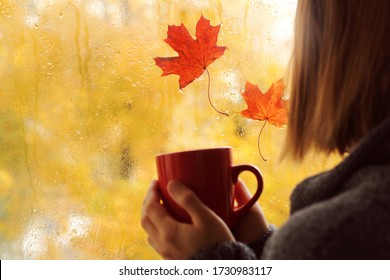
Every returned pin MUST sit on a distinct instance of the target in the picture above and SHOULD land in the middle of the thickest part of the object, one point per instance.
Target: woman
(340, 101)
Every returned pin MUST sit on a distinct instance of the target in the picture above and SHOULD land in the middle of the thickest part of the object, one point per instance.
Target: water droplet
(234, 96)
(240, 131)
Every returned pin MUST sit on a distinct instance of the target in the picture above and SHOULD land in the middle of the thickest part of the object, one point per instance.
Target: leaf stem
(208, 94)
(258, 140)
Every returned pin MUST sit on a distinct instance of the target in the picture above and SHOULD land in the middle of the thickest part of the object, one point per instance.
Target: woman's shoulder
(353, 224)
(368, 164)
(358, 182)
(370, 180)
(366, 193)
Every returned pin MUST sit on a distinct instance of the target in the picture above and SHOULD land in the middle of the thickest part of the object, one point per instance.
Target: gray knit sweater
(343, 213)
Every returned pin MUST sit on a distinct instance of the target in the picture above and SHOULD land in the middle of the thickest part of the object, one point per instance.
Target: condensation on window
(84, 110)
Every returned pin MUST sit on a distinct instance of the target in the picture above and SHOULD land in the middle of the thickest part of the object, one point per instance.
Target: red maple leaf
(265, 106)
(194, 55)
(268, 107)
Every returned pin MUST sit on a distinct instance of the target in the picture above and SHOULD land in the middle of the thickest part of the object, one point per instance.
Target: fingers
(152, 194)
(172, 239)
(241, 193)
(154, 215)
(189, 201)
(149, 202)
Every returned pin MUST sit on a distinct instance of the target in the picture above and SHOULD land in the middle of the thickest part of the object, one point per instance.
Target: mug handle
(240, 211)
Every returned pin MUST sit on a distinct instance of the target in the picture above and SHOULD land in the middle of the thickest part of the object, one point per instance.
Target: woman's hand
(176, 240)
(253, 225)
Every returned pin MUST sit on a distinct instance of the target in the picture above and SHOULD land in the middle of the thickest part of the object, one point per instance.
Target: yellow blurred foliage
(6, 183)
(83, 112)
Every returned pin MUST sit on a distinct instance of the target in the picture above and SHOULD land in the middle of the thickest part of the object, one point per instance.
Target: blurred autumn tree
(83, 112)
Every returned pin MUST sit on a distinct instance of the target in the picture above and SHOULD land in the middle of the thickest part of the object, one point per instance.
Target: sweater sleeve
(226, 251)
(258, 245)
(235, 250)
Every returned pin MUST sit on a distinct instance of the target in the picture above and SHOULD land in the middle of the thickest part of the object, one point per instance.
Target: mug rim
(228, 148)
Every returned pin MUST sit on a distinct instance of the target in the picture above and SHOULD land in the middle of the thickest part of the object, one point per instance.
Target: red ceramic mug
(210, 174)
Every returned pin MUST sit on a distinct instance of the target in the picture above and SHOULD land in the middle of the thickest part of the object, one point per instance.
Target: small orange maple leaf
(193, 55)
(267, 107)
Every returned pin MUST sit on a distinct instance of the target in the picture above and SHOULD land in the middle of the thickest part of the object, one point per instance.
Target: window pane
(84, 111)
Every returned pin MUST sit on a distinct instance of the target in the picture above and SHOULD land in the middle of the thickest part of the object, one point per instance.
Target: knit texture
(343, 213)
(226, 251)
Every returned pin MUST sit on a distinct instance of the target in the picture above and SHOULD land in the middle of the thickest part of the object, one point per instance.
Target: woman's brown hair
(340, 74)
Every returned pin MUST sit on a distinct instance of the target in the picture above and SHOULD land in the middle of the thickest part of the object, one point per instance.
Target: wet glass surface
(84, 111)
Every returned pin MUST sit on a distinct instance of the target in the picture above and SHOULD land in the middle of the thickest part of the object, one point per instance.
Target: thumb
(190, 202)
(241, 193)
